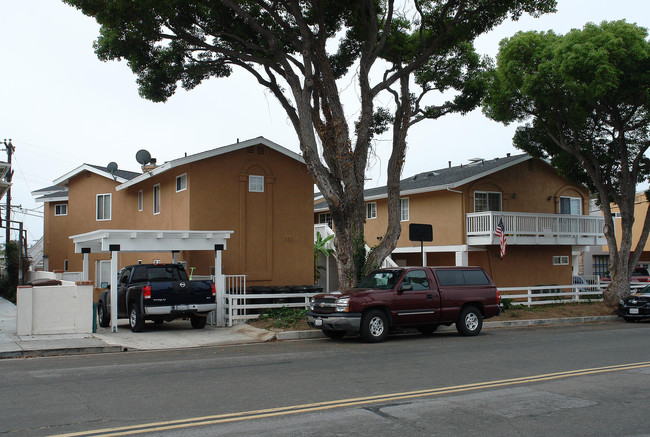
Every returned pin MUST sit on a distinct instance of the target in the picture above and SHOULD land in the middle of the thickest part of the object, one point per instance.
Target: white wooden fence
(550, 294)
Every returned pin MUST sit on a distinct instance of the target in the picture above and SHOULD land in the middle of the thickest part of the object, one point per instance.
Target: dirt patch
(550, 311)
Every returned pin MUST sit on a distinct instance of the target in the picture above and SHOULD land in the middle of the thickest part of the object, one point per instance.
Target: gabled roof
(120, 176)
(444, 178)
(209, 154)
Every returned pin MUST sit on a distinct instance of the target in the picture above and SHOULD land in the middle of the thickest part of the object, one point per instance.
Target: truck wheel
(198, 322)
(374, 326)
(428, 330)
(102, 316)
(136, 320)
(334, 334)
(470, 321)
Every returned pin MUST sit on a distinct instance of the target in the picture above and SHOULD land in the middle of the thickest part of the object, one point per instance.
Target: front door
(420, 304)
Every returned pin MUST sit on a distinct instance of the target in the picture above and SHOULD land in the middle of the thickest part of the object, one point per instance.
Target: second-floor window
(487, 201)
(156, 199)
(61, 209)
(371, 210)
(140, 200)
(325, 218)
(181, 182)
(256, 184)
(103, 207)
(404, 209)
(570, 205)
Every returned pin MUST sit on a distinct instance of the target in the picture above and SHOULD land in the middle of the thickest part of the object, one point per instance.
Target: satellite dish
(112, 167)
(143, 157)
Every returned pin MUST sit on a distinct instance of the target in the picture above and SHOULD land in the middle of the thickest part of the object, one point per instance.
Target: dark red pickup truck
(409, 297)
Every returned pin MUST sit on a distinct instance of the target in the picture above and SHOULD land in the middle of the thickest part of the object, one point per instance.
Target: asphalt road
(571, 380)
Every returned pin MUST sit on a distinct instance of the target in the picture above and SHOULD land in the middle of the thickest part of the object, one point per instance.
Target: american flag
(501, 233)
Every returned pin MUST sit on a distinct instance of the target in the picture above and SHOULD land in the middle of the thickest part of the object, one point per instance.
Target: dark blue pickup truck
(158, 292)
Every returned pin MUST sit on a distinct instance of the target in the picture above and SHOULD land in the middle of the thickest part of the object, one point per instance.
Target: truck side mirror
(406, 286)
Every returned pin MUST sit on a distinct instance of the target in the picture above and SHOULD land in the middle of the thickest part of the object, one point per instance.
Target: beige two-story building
(545, 218)
(257, 189)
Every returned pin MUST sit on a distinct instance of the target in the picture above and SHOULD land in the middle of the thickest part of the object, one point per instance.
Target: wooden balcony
(535, 229)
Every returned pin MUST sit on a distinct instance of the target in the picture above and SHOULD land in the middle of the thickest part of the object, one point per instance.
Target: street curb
(301, 335)
(34, 353)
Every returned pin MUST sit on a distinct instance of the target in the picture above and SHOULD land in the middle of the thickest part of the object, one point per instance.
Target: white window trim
(257, 178)
(110, 203)
(140, 200)
(154, 199)
(571, 199)
(408, 209)
(562, 260)
(370, 216)
(60, 205)
(487, 199)
(182, 178)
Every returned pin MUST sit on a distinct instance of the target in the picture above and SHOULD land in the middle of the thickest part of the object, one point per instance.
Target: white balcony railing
(526, 228)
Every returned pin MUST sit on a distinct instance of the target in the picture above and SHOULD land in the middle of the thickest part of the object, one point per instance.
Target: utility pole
(10, 173)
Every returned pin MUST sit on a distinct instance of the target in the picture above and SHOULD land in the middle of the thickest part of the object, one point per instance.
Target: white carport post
(219, 285)
(85, 252)
(174, 256)
(114, 249)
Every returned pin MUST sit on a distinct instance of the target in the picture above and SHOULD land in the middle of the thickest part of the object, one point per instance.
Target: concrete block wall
(56, 309)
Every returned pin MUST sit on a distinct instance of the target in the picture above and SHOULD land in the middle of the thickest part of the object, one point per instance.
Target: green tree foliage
(320, 248)
(304, 53)
(585, 99)
(9, 281)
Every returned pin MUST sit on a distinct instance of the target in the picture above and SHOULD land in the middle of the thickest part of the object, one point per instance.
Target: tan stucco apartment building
(544, 215)
(256, 188)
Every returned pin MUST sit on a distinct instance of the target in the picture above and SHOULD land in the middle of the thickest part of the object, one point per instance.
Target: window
(571, 205)
(61, 209)
(65, 265)
(560, 260)
(181, 182)
(103, 207)
(256, 184)
(404, 209)
(371, 210)
(418, 279)
(462, 277)
(140, 200)
(156, 199)
(487, 201)
(601, 265)
(325, 218)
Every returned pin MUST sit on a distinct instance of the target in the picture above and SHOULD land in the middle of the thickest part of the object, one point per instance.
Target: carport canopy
(127, 240)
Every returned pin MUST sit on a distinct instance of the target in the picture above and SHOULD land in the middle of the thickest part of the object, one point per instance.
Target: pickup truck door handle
(429, 296)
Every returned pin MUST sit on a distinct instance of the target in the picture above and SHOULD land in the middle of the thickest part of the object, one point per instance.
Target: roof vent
(432, 174)
(508, 155)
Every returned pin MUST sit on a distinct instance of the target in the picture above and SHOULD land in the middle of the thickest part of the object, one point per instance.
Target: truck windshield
(381, 279)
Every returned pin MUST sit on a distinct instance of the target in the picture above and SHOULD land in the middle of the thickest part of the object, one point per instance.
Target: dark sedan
(636, 306)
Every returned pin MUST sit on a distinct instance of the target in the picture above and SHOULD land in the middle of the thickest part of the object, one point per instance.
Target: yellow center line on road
(326, 405)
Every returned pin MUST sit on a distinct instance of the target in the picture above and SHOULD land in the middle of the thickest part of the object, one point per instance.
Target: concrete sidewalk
(175, 335)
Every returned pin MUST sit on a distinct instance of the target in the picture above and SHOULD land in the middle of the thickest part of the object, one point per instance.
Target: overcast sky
(62, 107)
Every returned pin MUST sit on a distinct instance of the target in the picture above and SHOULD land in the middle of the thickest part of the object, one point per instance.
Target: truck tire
(470, 321)
(428, 330)
(198, 322)
(136, 320)
(334, 334)
(102, 316)
(374, 326)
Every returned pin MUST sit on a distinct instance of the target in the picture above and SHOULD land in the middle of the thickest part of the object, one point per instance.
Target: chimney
(449, 164)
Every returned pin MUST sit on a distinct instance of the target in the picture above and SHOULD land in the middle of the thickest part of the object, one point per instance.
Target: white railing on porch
(527, 228)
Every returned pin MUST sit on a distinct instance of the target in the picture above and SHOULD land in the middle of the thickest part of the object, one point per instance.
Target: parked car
(636, 306)
(158, 292)
(640, 274)
(413, 297)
